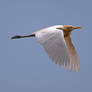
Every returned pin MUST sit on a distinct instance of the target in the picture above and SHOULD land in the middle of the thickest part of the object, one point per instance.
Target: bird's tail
(18, 36)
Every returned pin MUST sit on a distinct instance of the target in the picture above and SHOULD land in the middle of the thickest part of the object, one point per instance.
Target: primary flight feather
(57, 42)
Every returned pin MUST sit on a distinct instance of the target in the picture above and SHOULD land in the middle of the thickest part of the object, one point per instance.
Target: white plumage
(53, 42)
(58, 45)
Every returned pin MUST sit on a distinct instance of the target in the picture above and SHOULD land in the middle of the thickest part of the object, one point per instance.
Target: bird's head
(68, 28)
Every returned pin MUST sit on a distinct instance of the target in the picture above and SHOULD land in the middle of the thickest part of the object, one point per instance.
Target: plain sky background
(24, 65)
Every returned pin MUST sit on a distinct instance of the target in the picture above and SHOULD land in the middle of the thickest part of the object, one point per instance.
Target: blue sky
(24, 65)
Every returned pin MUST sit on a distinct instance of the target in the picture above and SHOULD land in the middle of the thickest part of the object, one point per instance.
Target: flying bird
(57, 43)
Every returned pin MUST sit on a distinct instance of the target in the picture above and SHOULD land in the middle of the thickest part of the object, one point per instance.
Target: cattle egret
(57, 42)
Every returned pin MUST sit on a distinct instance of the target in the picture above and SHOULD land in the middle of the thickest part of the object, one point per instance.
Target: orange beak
(77, 27)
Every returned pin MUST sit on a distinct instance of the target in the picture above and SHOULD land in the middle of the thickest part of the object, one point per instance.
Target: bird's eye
(70, 27)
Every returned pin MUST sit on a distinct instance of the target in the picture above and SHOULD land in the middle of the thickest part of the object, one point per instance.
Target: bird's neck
(66, 34)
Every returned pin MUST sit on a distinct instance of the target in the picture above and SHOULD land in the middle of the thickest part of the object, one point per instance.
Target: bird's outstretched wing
(54, 44)
(74, 62)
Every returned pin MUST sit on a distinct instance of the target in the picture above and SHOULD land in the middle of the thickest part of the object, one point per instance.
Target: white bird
(57, 42)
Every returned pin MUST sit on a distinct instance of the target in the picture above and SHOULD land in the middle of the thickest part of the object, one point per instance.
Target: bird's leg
(18, 36)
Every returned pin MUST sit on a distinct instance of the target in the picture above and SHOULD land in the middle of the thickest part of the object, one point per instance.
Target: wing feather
(54, 44)
(74, 62)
